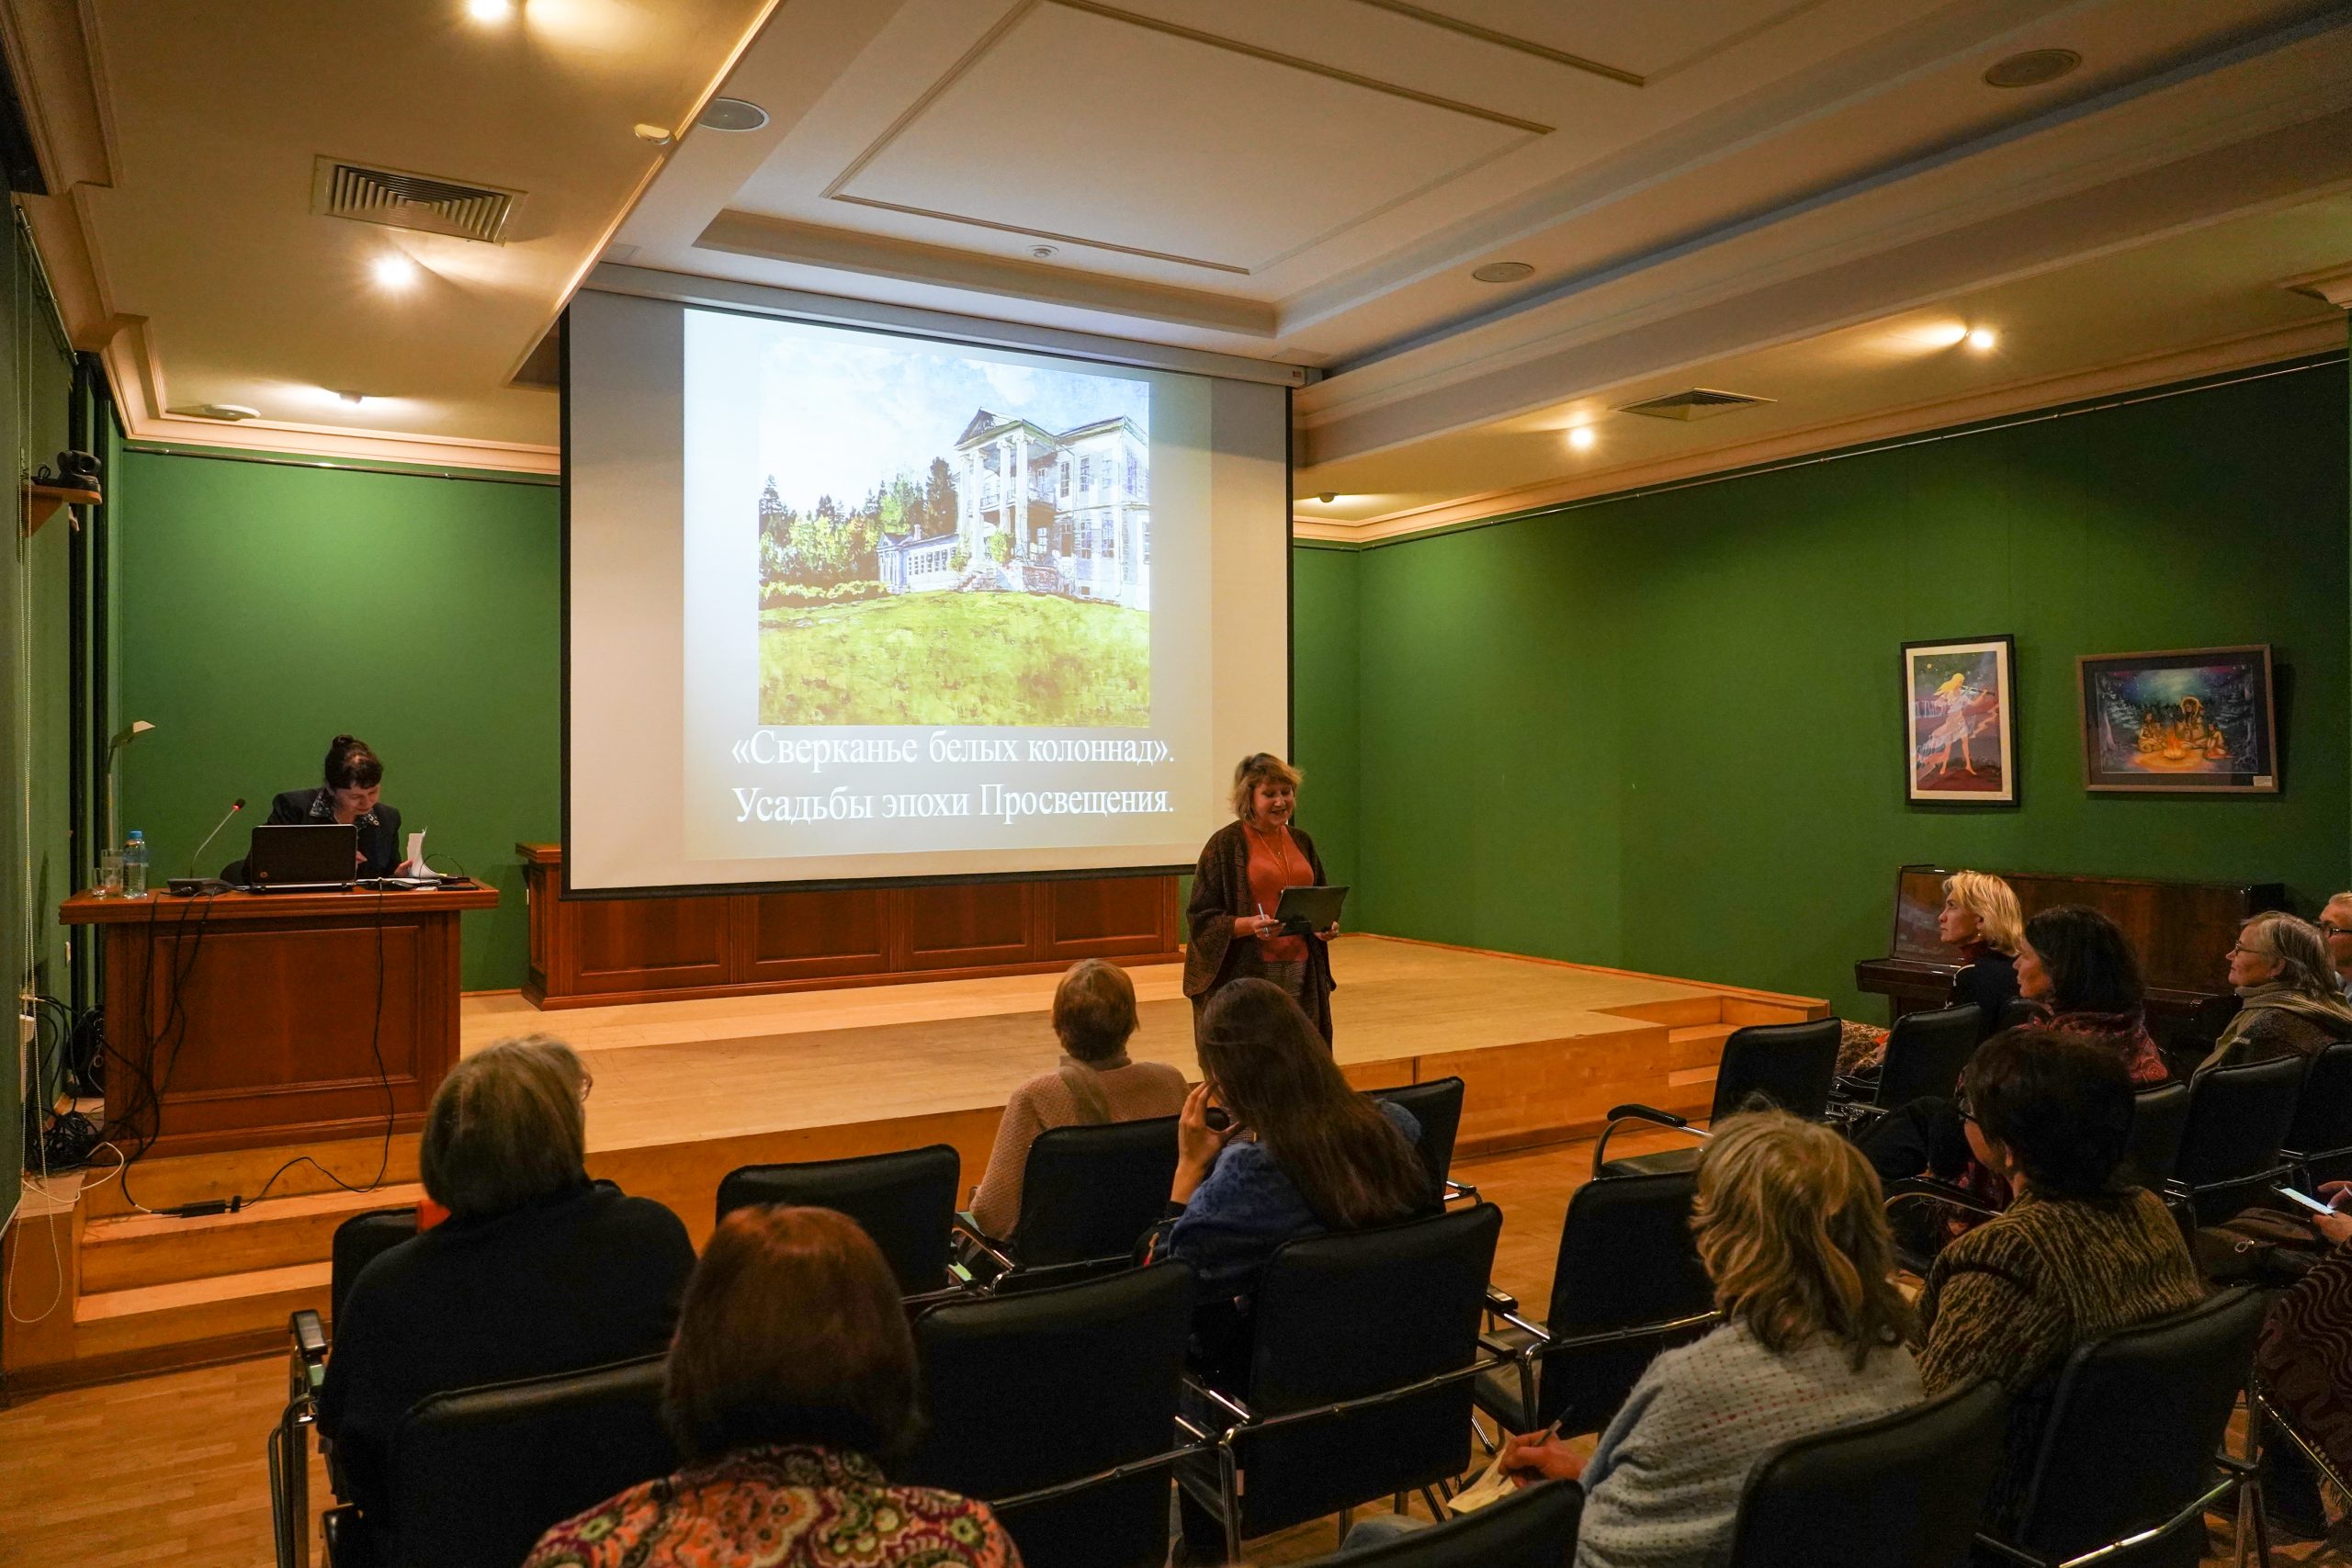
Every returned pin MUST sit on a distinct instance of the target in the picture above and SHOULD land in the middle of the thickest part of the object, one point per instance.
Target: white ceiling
(1760, 193)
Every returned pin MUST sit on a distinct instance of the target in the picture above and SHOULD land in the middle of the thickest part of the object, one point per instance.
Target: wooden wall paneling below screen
(585, 951)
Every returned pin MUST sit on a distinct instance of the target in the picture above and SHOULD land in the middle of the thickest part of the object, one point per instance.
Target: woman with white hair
(2291, 1002)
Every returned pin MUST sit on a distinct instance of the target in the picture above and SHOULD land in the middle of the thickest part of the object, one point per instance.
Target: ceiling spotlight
(1581, 438)
(1327, 497)
(659, 135)
(490, 10)
(2032, 69)
(1983, 338)
(1044, 253)
(1502, 271)
(732, 114)
(353, 397)
(394, 271)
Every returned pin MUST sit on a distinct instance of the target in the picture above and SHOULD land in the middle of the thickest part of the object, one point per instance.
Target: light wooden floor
(169, 1472)
(733, 1066)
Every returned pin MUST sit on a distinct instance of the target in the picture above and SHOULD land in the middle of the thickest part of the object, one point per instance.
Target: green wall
(265, 606)
(1663, 732)
(36, 845)
(1326, 723)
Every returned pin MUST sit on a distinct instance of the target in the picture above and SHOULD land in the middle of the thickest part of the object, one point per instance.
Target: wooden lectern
(240, 1019)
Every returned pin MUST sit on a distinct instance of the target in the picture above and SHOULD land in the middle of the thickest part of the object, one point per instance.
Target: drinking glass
(109, 874)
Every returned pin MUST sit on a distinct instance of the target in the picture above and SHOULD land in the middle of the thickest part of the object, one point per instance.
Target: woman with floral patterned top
(793, 1373)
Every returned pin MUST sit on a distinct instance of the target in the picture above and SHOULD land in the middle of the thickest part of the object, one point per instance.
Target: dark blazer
(582, 1278)
(1220, 896)
(379, 831)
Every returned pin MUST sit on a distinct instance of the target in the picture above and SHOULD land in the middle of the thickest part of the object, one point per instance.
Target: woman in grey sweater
(1791, 1226)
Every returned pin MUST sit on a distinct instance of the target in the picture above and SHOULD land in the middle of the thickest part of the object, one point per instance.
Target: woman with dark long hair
(1301, 1153)
(352, 794)
(2079, 965)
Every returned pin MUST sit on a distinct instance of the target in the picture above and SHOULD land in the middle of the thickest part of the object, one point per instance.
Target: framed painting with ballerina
(1960, 721)
(2200, 721)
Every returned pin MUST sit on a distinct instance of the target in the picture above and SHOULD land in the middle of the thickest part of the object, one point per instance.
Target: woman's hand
(1540, 1456)
(1197, 1144)
(1252, 925)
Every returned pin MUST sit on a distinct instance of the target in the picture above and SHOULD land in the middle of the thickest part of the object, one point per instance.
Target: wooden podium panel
(242, 1020)
(589, 950)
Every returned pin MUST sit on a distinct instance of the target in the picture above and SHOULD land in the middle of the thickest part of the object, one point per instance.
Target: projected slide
(854, 603)
(945, 539)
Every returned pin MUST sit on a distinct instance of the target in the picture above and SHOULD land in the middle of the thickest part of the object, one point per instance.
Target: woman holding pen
(1237, 887)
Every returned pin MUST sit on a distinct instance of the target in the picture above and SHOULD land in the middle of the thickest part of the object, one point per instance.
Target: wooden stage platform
(686, 1091)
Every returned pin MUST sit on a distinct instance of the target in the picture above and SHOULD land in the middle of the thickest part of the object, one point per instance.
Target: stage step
(1696, 1045)
(137, 1250)
(115, 1323)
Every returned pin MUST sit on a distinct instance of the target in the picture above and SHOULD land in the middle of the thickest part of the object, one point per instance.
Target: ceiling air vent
(1699, 402)
(398, 201)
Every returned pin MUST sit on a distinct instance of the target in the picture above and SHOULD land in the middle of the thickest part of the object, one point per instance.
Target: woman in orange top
(1237, 887)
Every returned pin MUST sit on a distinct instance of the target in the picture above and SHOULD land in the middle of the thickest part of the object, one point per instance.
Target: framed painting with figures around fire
(2197, 721)
(1960, 721)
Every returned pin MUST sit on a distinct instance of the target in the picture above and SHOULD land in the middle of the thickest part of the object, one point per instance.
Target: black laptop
(302, 857)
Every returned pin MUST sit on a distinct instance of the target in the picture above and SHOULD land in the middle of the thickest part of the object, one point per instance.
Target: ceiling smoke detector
(732, 114)
(2032, 68)
(400, 200)
(1044, 253)
(1502, 271)
(1698, 402)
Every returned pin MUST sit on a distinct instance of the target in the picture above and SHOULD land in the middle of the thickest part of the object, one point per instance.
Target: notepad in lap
(1491, 1487)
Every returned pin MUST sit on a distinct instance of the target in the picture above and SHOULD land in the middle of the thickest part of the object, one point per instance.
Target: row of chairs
(1069, 1407)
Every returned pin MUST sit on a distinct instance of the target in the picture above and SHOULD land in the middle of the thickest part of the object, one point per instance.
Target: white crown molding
(136, 374)
(2331, 284)
(2219, 357)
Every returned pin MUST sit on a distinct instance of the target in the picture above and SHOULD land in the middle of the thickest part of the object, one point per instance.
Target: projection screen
(845, 604)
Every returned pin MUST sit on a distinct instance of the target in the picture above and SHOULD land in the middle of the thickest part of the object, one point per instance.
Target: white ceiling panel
(1077, 126)
(1648, 41)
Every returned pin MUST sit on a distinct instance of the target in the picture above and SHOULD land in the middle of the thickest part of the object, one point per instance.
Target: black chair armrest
(310, 1337)
(1242, 1414)
(1457, 1192)
(1502, 1303)
(1635, 1112)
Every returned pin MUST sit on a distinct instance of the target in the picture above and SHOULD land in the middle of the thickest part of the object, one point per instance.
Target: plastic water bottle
(134, 865)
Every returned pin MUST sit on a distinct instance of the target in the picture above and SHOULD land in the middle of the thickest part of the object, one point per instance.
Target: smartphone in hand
(2306, 1200)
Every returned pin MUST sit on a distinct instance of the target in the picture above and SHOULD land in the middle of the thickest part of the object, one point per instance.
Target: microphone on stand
(234, 806)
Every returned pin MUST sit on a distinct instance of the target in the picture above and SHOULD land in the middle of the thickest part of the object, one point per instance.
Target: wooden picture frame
(1960, 705)
(2184, 721)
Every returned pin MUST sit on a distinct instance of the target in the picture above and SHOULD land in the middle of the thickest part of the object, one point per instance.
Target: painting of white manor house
(1039, 512)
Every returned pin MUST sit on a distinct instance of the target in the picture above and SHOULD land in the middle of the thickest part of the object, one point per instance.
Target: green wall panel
(1323, 716)
(264, 607)
(1663, 732)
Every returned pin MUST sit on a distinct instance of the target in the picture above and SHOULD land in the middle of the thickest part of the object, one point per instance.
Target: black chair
(905, 1200)
(2238, 1119)
(475, 1477)
(1086, 1194)
(1924, 1051)
(2017, 1013)
(1627, 1284)
(1358, 1384)
(357, 1242)
(2134, 1442)
(1437, 1106)
(1791, 1066)
(1058, 1408)
(2159, 1119)
(1907, 1488)
(2319, 1145)
(1533, 1529)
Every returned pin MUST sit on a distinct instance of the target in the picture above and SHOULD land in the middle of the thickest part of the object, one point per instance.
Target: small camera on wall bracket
(75, 471)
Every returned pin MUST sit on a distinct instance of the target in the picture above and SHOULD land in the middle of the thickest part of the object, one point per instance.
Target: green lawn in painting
(950, 658)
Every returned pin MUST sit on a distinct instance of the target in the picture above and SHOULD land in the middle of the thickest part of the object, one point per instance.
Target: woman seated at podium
(1237, 888)
(353, 794)
(537, 1270)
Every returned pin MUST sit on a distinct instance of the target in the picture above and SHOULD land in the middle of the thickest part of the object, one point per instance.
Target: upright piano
(2182, 931)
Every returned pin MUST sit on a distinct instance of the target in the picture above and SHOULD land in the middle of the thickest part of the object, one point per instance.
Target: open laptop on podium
(302, 857)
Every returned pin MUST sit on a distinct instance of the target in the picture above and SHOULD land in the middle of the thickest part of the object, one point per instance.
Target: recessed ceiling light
(353, 397)
(732, 114)
(1502, 271)
(1044, 253)
(2032, 68)
(1327, 498)
(1941, 334)
(394, 271)
(659, 135)
(490, 10)
(230, 412)
(1983, 338)
(1581, 438)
